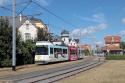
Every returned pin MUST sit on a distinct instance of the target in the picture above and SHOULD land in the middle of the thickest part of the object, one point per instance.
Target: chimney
(20, 17)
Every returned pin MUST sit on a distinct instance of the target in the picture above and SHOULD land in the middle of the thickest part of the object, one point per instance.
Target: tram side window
(64, 51)
(51, 50)
(58, 50)
(55, 50)
(79, 51)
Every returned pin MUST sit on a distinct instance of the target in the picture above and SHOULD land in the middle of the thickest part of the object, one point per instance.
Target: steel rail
(54, 74)
(67, 73)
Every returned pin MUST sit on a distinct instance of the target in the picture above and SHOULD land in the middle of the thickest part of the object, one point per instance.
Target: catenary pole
(14, 37)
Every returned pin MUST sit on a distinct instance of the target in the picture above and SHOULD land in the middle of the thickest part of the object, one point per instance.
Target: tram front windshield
(72, 52)
(42, 50)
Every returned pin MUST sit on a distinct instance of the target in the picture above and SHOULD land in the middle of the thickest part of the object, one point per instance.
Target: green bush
(25, 53)
(115, 57)
(6, 63)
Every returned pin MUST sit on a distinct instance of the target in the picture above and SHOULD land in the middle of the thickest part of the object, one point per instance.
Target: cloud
(99, 18)
(122, 33)
(123, 20)
(81, 32)
(100, 43)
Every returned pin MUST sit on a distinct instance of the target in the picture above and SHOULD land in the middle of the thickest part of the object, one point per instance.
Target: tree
(122, 46)
(5, 43)
(87, 52)
(43, 35)
(26, 53)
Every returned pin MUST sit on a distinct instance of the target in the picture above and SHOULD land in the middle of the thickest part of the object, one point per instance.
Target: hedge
(115, 57)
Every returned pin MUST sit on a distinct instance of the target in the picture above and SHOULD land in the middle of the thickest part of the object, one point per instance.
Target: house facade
(25, 26)
(112, 44)
(28, 31)
(85, 47)
(65, 37)
(39, 24)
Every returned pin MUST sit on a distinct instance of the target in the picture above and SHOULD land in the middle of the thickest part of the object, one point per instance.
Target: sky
(89, 20)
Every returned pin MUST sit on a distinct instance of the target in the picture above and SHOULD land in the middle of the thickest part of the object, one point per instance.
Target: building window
(64, 39)
(27, 26)
(27, 36)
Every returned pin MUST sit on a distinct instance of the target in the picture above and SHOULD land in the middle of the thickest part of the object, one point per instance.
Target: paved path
(35, 67)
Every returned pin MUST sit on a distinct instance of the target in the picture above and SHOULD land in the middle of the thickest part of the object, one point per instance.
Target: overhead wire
(30, 1)
(42, 7)
(10, 10)
(62, 19)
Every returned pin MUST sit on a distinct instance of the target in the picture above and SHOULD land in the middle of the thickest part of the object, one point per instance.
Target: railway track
(53, 75)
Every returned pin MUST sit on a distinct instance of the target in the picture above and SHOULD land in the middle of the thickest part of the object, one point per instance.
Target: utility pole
(14, 37)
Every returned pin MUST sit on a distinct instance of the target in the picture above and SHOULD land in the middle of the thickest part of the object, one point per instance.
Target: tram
(48, 52)
(73, 53)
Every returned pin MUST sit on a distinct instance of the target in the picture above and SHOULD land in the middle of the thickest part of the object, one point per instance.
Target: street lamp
(14, 37)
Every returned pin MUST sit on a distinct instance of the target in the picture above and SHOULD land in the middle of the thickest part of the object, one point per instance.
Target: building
(115, 40)
(27, 27)
(65, 37)
(28, 31)
(85, 47)
(112, 44)
(39, 23)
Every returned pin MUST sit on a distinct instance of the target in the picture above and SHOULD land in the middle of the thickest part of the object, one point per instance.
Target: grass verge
(115, 57)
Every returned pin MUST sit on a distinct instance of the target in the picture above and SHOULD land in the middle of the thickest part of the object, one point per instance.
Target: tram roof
(48, 43)
(43, 43)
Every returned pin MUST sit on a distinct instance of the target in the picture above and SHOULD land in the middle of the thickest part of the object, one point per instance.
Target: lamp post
(14, 37)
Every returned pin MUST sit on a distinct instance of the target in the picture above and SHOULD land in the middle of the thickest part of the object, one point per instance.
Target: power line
(62, 19)
(36, 3)
(19, 3)
(34, 14)
(11, 5)
(10, 10)
(30, 1)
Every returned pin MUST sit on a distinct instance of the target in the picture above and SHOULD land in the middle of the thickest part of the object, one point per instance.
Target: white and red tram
(48, 52)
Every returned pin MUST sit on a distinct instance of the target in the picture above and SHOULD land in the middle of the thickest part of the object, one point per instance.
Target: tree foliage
(25, 54)
(87, 52)
(24, 50)
(43, 35)
(5, 43)
(122, 45)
